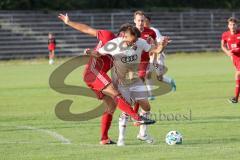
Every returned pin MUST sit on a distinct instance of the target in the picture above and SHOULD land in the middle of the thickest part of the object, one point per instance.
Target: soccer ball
(173, 137)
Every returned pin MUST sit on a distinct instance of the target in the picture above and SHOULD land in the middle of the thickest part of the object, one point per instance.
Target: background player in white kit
(157, 61)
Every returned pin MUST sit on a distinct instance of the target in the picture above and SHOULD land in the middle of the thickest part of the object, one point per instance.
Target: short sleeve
(153, 35)
(105, 36)
(145, 45)
(224, 37)
(159, 35)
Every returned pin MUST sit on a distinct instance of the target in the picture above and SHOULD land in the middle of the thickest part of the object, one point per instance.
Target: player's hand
(166, 40)
(64, 18)
(150, 40)
(86, 51)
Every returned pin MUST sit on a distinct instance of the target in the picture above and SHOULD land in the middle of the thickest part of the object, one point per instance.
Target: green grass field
(204, 83)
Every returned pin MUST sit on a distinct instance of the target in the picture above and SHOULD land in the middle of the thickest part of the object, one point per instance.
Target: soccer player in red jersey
(230, 44)
(150, 36)
(157, 61)
(95, 76)
(51, 47)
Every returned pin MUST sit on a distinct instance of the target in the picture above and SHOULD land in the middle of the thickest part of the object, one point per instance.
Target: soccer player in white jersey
(157, 61)
(126, 52)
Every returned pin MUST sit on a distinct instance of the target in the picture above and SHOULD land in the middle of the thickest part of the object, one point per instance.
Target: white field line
(55, 135)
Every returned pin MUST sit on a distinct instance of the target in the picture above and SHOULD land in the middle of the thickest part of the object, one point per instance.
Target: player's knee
(110, 91)
(144, 105)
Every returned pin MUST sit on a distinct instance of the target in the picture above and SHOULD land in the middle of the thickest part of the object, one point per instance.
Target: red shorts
(236, 61)
(95, 74)
(51, 47)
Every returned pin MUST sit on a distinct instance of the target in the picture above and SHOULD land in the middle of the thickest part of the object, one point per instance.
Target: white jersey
(125, 59)
(160, 59)
(159, 36)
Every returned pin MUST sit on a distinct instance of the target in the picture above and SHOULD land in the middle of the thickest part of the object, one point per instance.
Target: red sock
(136, 107)
(125, 107)
(237, 88)
(105, 125)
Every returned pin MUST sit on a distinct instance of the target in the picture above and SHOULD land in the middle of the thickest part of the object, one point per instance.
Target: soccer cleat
(173, 84)
(107, 142)
(151, 98)
(145, 121)
(233, 100)
(146, 138)
(120, 142)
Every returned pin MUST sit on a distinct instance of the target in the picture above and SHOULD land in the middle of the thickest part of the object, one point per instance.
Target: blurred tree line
(115, 4)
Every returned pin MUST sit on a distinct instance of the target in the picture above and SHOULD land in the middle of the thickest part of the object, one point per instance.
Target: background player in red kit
(51, 47)
(230, 44)
(95, 76)
(157, 61)
(150, 36)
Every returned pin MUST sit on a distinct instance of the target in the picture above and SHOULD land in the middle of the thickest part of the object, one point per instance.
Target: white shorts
(134, 92)
(158, 66)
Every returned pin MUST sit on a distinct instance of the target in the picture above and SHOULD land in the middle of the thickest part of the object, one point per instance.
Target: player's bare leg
(168, 80)
(160, 69)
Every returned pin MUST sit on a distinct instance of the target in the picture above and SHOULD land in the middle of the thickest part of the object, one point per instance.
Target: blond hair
(141, 13)
(232, 19)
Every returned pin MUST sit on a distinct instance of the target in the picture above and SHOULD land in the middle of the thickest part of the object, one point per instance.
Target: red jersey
(51, 44)
(145, 34)
(95, 74)
(104, 36)
(232, 41)
(104, 62)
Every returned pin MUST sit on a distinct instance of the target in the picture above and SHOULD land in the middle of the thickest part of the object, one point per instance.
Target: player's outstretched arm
(78, 26)
(224, 48)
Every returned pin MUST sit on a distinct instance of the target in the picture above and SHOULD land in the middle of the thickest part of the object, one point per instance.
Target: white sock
(143, 128)
(123, 119)
(149, 86)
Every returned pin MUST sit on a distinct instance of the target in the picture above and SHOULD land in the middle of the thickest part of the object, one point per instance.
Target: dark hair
(148, 17)
(133, 31)
(127, 27)
(123, 28)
